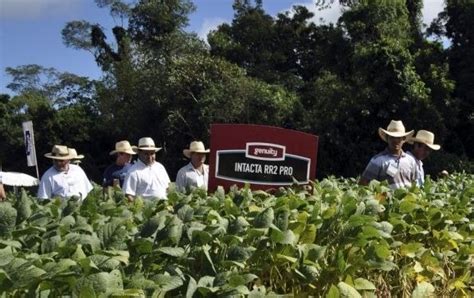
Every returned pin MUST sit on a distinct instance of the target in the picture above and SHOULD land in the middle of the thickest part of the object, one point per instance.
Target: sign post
(263, 156)
(30, 145)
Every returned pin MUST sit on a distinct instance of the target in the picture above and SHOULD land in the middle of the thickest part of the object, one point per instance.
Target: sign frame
(258, 155)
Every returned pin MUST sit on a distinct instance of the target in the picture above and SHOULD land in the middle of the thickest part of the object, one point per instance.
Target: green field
(336, 239)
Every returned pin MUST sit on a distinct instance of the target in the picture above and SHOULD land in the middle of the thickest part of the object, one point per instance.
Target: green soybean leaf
(192, 287)
(347, 291)
(172, 251)
(363, 284)
(333, 292)
(422, 290)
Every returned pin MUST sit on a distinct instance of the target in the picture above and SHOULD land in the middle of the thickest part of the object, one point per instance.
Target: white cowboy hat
(395, 129)
(195, 146)
(123, 147)
(425, 137)
(73, 154)
(146, 144)
(59, 152)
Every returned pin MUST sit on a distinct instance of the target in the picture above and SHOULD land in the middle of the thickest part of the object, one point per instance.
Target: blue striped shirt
(403, 169)
(420, 172)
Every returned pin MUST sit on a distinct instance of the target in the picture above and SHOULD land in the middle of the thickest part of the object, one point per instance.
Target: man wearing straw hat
(423, 144)
(195, 173)
(147, 177)
(75, 158)
(115, 173)
(392, 164)
(63, 179)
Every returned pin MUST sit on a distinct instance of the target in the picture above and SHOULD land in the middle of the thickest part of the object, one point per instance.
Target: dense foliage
(339, 81)
(333, 239)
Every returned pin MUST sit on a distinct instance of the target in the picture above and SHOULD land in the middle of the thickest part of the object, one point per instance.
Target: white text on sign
(243, 167)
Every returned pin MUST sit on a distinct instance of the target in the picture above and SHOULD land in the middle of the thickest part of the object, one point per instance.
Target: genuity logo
(265, 151)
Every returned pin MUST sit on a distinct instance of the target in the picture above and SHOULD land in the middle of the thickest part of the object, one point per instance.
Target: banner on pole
(29, 143)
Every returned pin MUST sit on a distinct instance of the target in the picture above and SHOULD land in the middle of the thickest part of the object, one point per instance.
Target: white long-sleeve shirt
(73, 182)
(189, 177)
(148, 181)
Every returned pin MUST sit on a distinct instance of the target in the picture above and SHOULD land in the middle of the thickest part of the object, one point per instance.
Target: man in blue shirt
(115, 174)
(393, 164)
(423, 144)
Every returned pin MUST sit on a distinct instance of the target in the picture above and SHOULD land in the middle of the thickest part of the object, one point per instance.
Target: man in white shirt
(75, 158)
(147, 177)
(423, 144)
(196, 173)
(63, 179)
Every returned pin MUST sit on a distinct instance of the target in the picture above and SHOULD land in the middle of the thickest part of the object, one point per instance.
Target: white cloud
(36, 9)
(431, 8)
(321, 16)
(208, 25)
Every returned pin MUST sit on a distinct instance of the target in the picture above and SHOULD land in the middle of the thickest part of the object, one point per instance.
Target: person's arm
(363, 181)
(104, 179)
(3, 195)
(87, 184)
(181, 181)
(416, 176)
(370, 173)
(44, 189)
(129, 187)
(167, 180)
(206, 176)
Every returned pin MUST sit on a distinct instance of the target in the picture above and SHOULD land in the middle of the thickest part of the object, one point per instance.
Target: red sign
(263, 156)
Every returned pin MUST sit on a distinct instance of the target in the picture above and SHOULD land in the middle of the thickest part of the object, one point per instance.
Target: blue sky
(30, 30)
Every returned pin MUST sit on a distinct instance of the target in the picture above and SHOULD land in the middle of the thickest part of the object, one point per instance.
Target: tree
(159, 81)
(250, 41)
(340, 81)
(455, 23)
(387, 84)
(351, 78)
(62, 107)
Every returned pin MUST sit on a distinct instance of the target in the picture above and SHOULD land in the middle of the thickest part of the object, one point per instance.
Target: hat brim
(128, 151)
(432, 146)
(80, 156)
(384, 133)
(156, 149)
(187, 152)
(51, 156)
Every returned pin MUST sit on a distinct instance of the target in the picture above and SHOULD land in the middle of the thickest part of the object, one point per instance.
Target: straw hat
(73, 154)
(395, 129)
(425, 137)
(147, 144)
(195, 146)
(59, 152)
(123, 147)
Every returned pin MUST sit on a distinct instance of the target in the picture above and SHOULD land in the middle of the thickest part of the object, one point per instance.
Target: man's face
(421, 151)
(395, 143)
(197, 159)
(146, 156)
(123, 158)
(61, 165)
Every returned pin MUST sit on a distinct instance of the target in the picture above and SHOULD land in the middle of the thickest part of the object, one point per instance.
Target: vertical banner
(263, 156)
(29, 143)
